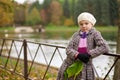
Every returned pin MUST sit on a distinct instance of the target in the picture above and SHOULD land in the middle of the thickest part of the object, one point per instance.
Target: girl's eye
(86, 23)
(81, 24)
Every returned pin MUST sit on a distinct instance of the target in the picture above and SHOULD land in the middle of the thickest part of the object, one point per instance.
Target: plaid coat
(96, 45)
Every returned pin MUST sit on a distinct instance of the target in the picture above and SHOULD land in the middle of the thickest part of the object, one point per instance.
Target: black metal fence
(35, 61)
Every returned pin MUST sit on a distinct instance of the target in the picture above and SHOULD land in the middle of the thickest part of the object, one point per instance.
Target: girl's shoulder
(77, 33)
(94, 31)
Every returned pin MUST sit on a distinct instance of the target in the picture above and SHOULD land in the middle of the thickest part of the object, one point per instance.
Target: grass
(60, 28)
(5, 29)
(107, 28)
(108, 32)
(37, 71)
(75, 28)
(64, 32)
(65, 28)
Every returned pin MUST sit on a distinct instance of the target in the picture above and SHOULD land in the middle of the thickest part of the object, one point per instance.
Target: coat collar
(88, 33)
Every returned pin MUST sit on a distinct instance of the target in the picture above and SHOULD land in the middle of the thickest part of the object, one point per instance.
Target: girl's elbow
(106, 49)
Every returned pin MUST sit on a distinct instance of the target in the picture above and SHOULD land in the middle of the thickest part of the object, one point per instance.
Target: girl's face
(85, 25)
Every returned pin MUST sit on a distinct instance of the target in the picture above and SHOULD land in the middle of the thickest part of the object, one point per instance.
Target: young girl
(85, 44)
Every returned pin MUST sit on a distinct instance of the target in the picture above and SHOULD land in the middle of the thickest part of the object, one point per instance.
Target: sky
(22, 1)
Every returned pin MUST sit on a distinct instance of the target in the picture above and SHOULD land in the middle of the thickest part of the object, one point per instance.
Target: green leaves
(73, 70)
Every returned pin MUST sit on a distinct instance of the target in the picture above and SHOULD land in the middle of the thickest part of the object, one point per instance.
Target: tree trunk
(117, 67)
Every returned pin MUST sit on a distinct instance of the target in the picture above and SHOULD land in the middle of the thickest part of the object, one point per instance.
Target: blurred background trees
(6, 13)
(57, 12)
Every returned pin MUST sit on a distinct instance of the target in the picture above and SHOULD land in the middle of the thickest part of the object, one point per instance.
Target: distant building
(25, 29)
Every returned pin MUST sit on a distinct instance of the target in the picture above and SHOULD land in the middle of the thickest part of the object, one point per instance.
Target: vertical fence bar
(2, 46)
(25, 60)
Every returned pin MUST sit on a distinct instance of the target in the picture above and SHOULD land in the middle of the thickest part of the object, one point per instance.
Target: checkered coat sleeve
(96, 46)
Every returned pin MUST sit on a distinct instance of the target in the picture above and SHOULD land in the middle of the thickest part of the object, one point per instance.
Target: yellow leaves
(68, 22)
(52, 79)
(6, 18)
(6, 15)
(7, 5)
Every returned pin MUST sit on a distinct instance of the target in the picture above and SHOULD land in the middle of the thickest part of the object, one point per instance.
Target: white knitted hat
(87, 16)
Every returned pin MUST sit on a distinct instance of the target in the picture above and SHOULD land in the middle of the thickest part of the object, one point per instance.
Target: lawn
(64, 32)
(75, 28)
(108, 32)
(65, 28)
(7, 29)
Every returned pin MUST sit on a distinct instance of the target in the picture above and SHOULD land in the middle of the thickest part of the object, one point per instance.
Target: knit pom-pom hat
(87, 16)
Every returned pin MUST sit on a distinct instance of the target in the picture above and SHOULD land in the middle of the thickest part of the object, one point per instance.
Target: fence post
(25, 60)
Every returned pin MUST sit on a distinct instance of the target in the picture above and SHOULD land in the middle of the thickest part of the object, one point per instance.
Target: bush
(68, 22)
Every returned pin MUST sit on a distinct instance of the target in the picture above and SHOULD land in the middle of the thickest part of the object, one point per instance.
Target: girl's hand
(84, 57)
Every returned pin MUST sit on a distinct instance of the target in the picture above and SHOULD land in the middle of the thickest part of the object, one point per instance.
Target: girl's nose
(83, 25)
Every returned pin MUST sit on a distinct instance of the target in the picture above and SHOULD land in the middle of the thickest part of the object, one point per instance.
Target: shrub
(68, 22)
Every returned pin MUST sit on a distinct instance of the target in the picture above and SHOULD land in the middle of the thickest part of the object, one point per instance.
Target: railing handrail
(111, 54)
(47, 44)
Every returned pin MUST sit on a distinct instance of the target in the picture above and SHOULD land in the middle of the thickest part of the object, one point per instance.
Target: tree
(56, 12)
(72, 8)
(44, 16)
(45, 12)
(105, 16)
(46, 4)
(36, 5)
(6, 13)
(84, 5)
(117, 66)
(113, 8)
(19, 14)
(66, 9)
(98, 11)
(33, 17)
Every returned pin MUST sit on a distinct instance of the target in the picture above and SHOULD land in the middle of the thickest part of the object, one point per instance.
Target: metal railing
(34, 61)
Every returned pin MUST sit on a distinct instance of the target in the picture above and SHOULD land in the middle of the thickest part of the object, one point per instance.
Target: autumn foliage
(6, 13)
(56, 12)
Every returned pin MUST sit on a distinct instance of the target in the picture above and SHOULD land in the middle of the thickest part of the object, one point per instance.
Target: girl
(85, 44)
